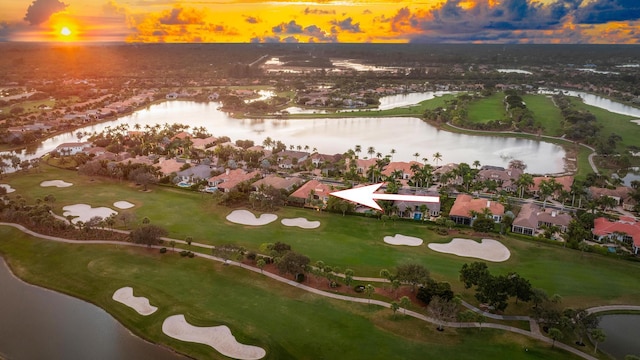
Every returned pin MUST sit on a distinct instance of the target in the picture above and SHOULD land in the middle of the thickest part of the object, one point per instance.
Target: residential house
(195, 173)
(312, 191)
(172, 96)
(168, 166)
(565, 181)
(404, 169)
(626, 230)
(228, 180)
(412, 209)
(464, 206)
(278, 182)
(531, 218)
(506, 178)
(318, 159)
(202, 144)
(621, 194)
(363, 165)
(289, 159)
(72, 148)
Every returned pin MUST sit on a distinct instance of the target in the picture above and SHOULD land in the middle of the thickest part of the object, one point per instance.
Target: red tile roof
(320, 189)
(627, 225)
(465, 203)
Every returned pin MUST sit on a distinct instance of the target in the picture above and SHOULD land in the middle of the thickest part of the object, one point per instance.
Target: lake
(37, 323)
(406, 135)
(622, 331)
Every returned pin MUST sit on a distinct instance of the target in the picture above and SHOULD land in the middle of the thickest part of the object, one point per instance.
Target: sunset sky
(399, 21)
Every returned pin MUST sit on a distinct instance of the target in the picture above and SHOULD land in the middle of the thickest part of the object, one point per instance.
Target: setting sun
(65, 31)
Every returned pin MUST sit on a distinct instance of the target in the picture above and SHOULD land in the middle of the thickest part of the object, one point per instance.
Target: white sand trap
(218, 337)
(138, 303)
(123, 205)
(8, 187)
(487, 249)
(398, 239)
(56, 183)
(245, 217)
(85, 212)
(301, 223)
(636, 121)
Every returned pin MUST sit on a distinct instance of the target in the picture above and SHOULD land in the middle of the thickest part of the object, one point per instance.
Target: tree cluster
(495, 290)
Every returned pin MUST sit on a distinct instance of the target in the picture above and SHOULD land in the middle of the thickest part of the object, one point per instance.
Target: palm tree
(371, 150)
(358, 150)
(524, 182)
(392, 152)
(416, 155)
(476, 163)
(598, 336)
(437, 157)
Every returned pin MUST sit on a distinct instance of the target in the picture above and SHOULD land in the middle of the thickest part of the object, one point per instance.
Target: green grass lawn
(416, 110)
(545, 112)
(345, 241)
(289, 323)
(613, 123)
(487, 109)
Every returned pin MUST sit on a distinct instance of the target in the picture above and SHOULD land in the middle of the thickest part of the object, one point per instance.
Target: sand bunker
(636, 121)
(218, 337)
(56, 183)
(138, 303)
(245, 217)
(85, 212)
(123, 205)
(301, 223)
(490, 250)
(398, 239)
(8, 187)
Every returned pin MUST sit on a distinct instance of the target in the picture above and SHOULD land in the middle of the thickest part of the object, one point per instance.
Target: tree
(556, 334)
(148, 234)
(598, 336)
(188, 240)
(437, 157)
(348, 276)
(293, 263)
(483, 224)
(519, 287)
(474, 274)
(432, 289)
(412, 274)
(369, 290)
(405, 302)
(261, 264)
(394, 307)
(442, 310)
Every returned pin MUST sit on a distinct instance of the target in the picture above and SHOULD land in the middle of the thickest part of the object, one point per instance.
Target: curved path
(533, 333)
(590, 158)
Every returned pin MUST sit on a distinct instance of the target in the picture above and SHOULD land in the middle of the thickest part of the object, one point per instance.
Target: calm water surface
(37, 323)
(623, 332)
(406, 135)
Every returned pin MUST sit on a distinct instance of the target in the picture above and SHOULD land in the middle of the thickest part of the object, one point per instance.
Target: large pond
(406, 135)
(36, 323)
(623, 332)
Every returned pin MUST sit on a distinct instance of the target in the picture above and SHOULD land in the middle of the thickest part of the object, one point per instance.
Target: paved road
(533, 333)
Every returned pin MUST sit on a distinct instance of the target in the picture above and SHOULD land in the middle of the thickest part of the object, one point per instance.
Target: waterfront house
(625, 230)
(462, 211)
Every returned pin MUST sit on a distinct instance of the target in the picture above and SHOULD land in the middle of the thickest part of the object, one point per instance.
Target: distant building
(532, 217)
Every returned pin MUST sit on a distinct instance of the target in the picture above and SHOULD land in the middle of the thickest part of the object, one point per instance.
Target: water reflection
(36, 323)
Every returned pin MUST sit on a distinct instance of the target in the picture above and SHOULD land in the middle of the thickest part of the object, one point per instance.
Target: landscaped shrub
(163, 250)
(191, 254)
(184, 253)
(251, 255)
(300, 277)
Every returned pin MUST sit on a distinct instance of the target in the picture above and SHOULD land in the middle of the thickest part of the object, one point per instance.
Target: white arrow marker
(366, 196)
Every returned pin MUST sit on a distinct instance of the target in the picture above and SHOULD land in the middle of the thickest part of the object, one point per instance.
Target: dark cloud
(41, 10)
(483, 21)
(318, 34)
(367, 12)
(290, 40)
(603, 11)
(252, 19)
(4, 30)
(287, 28)
(309, 11)
(181, 16)
(347, 25)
